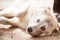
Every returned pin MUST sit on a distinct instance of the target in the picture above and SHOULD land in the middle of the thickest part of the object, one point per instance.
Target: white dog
(36, 15)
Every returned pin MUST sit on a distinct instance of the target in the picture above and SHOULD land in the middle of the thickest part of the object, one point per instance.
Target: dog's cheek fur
(53, 21)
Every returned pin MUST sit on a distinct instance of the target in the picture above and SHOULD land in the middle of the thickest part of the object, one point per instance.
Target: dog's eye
(43, 28)
(38, 20)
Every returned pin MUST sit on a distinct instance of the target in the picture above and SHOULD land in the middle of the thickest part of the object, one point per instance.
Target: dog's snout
(43, 28)
(29, 29)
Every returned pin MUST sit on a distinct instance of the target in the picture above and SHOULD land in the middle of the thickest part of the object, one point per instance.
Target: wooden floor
(18, 34)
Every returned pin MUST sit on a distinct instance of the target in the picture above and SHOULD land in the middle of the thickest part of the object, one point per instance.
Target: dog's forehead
(36, 17)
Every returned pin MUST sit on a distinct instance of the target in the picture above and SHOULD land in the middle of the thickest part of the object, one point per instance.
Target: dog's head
(40, 24)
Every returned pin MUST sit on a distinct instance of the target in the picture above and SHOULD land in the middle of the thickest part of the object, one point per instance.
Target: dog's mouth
(39, 32)
(40, 29)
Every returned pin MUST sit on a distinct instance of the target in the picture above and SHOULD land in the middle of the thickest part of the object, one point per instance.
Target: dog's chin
(39, 35)
(35, 35)
(43, 34)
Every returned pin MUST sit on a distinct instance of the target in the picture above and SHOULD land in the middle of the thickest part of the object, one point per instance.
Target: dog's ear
(47, 11)
(52, 18)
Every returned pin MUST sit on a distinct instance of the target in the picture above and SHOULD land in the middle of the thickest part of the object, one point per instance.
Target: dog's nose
(29, 29)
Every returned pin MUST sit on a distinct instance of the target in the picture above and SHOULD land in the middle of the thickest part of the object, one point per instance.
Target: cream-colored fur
(26, 13)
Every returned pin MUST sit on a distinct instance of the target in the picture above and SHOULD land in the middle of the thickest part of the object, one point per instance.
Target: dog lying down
(34, 16)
